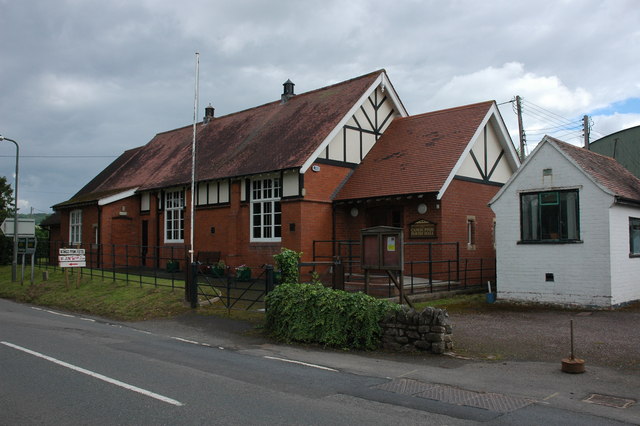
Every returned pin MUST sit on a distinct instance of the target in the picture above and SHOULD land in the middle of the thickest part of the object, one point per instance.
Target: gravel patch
(604, 338)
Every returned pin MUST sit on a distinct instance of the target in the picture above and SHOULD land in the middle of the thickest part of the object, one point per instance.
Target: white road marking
(97, 375)
(53, 312)
(63, 315)
(321, 367)
(193, 342)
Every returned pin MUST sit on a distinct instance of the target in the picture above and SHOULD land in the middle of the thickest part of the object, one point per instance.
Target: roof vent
(288, 91)
(208, 114)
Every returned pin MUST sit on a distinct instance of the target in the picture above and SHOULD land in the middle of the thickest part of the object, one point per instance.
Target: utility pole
(521, 134)
(585, 130)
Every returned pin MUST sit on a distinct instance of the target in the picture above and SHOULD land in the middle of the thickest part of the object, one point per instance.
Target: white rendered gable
(361, 127)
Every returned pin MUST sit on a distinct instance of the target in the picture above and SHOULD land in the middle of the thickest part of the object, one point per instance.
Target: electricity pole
(585, 130)
(520, 129)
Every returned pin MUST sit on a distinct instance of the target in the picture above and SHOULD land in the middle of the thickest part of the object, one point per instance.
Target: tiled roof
(415, 154)
(51, 220)
(275, 136)
(604, 170)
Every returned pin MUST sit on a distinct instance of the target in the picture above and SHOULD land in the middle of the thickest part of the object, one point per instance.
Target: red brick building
(291, 172)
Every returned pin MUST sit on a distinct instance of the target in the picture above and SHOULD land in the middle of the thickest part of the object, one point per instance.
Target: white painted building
(568, 229)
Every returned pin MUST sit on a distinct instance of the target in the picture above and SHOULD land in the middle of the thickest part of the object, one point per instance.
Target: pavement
(512, 359)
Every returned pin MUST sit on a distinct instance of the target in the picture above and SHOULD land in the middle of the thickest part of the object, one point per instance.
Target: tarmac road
(516, 353)
(219, 367)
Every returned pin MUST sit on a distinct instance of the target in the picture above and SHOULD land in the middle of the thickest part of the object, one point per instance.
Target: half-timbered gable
(486, 161)
(364, 127)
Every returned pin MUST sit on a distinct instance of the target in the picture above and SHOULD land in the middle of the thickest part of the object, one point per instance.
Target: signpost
(26, 227)
(71, 258)
(26, 241)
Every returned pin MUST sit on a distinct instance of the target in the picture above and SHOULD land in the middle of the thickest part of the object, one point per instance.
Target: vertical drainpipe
(333, 229)
(99, 240)
(158, 195)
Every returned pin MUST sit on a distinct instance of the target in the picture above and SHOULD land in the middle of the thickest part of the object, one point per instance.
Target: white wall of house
(581, 271)
(625, 270)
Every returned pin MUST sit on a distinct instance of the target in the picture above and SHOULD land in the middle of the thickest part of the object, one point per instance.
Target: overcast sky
(82, 81)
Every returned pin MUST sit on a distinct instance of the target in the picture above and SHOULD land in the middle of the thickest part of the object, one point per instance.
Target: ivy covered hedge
(315, 314)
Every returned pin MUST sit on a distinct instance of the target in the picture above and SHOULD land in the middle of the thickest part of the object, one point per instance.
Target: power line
(551, 114)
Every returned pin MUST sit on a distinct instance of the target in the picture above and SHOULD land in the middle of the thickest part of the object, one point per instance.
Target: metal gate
(230, 290)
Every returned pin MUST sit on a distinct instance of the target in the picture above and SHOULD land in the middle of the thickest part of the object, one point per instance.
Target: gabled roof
(419, 154)
(275, 136)
(603, 171)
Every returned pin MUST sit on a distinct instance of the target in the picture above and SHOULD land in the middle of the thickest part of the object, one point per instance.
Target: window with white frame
(174, 216)
(265, 209)
(634, 237)
(471, 232)
(75, 227)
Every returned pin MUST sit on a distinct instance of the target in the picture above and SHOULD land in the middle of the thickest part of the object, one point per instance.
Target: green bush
(287, 261)
(316, 314)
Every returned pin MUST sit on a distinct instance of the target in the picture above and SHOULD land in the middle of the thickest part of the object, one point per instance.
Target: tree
(6, 210)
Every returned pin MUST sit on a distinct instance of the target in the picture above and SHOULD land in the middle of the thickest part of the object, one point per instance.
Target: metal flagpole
(193, 157)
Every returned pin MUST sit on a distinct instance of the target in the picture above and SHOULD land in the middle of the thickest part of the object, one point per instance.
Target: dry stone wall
(409, 330)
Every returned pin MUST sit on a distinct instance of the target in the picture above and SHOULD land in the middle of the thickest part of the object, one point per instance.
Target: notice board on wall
(382, 248)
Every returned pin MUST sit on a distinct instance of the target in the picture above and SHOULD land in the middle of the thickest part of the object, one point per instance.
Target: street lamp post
(14, 263)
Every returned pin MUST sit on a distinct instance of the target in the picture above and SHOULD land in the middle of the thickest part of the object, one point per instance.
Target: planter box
(173, 266)
(218, 272)
(243, 275)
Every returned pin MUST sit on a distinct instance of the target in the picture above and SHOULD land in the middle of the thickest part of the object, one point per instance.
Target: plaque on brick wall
(422, 229)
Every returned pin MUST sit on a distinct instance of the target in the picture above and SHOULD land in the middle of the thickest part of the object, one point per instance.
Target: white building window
(634, 237)
(75, 227)
(174, 216)
(471, 232)
(265, 209)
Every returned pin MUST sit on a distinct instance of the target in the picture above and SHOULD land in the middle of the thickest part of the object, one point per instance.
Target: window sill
(265, 242)
(634, 255)
(551, 242)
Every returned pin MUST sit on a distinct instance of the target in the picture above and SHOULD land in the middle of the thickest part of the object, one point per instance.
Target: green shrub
(316, 314)
(287, 261)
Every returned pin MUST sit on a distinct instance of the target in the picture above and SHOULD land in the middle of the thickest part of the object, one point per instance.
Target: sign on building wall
(422, 229)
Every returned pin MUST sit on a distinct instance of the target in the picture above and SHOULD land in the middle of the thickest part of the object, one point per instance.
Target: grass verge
(107, 298)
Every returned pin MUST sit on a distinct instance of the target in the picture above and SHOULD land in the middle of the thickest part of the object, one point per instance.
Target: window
(75, 227)
(634, 236)
(550, 216)
(145, 201)
(174, 216)
(471, 232)
(265, 209)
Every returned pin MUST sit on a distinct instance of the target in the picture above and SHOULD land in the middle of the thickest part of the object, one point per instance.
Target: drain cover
(453, 395)
(609, 401)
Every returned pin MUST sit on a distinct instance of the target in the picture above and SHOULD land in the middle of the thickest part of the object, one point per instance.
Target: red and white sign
(72, 258)
(70, 251)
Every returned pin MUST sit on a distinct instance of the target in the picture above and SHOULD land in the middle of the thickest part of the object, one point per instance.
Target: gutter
(626, 201)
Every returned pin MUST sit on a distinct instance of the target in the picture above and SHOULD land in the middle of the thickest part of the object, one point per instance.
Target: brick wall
(462, 200)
